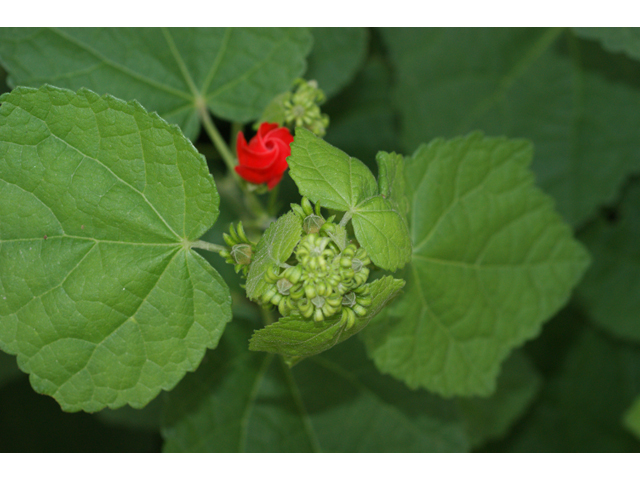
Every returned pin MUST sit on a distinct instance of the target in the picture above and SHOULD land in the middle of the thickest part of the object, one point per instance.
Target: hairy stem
(235, 128)
(218, 141)
(345, 219)
(210, 247)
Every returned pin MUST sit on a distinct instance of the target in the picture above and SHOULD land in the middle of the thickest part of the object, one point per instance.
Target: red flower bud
(264, 158)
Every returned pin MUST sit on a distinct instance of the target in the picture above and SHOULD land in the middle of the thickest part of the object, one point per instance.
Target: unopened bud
(313, 223)
(242, 253)
(284, 286)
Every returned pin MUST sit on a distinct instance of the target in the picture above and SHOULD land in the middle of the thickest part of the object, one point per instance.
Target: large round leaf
(101, 296)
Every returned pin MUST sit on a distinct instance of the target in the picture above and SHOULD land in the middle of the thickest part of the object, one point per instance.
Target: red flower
(264, 159)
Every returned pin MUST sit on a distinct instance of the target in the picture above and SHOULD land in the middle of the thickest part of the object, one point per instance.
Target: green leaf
(337, 55)
(540, 84)
(609, 292)
(274, 249)
(391, 181)
(299, 337)
(101, 297)
(382, 231)
(618, 39)
(235, 71)
(491, 418)
(632, 418)
(329, 176)
(491, 262)
(580, 410)
(240, 401)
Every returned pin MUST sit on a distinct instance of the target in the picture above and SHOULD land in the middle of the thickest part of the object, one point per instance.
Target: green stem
(345, 219)
(218, 141)
(235, 128)
(210, 247)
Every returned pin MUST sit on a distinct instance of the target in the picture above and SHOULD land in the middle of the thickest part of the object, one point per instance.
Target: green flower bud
(310, 291)
(296, 292)
(306, 307)
(276, 298)
(269, 294)
(312, 263)
(323, 289)
(318, 301)
(298, 210)
(356, 264)
(241, 235)
(347, 274)
(306, 206)
(349, 299)
(293, 274)
(362, 255)
(364, 301)
(350, 250)
(234, 234)
(341, 288)
(348, 317)
(242, 253)
(318, 316)
(346, 262)
(284, 286)
(359, 310)
(271, 275)
(335, 300)
(328, 227)
(228, 239)
(328, 310)
(285, 306)
(313, 223)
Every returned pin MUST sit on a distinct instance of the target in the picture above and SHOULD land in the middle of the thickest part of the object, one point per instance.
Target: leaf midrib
(117, 327)
(119, 67)
(117, 177)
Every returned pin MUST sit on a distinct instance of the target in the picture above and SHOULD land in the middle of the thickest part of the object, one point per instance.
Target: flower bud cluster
(323, 281)
(241, 249)
(302, 108)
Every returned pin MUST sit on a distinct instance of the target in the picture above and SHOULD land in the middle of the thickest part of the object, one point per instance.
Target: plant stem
(218, 141)
(210, 247)
(235, 128)
(345, 219)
